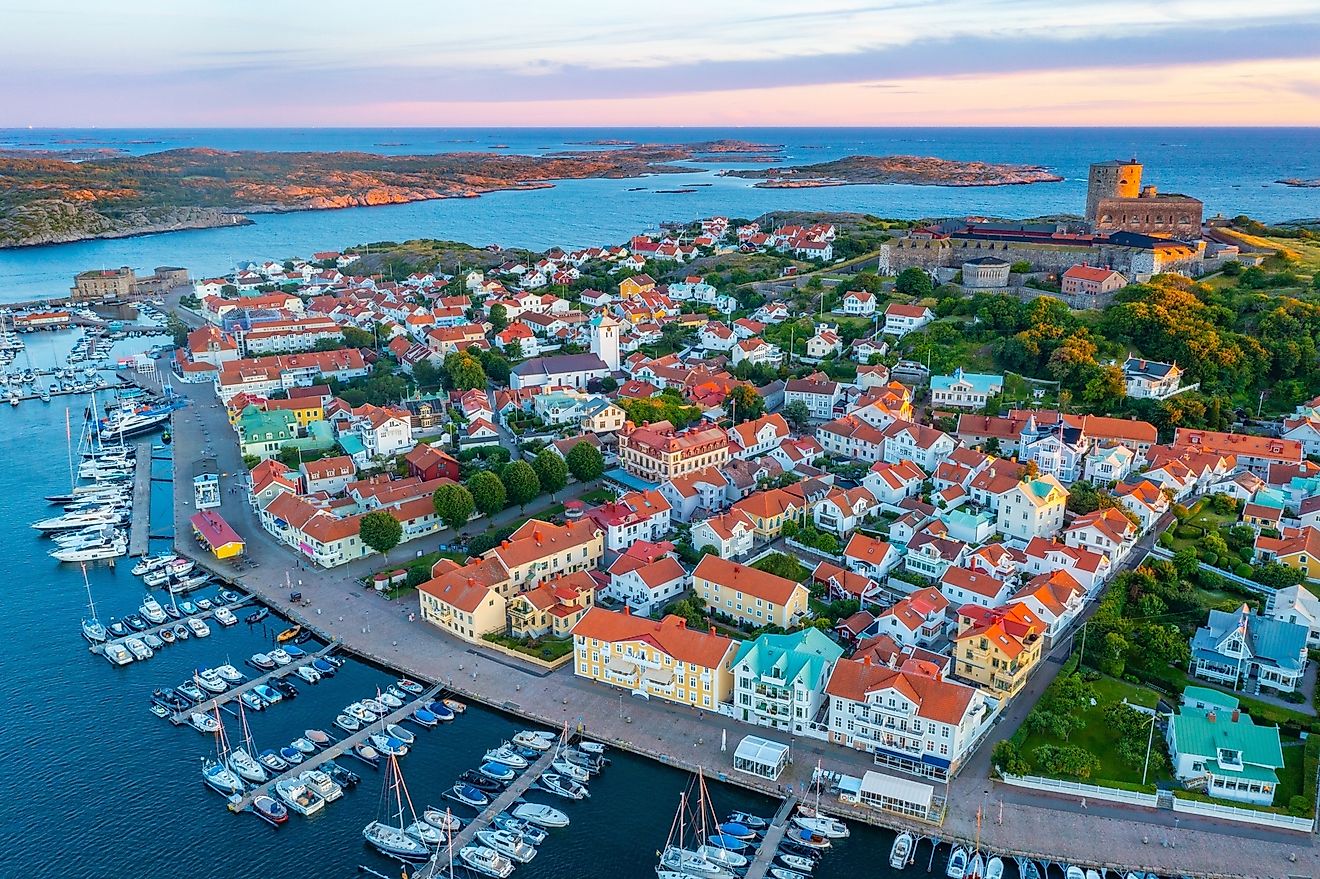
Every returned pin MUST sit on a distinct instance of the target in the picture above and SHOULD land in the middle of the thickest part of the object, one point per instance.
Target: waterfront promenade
(364, 623)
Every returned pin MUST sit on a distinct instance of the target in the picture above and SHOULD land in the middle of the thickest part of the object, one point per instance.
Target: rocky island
(1313, 183)
(913, 170)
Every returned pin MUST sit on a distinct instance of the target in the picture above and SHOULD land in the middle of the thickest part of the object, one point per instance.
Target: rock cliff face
(52, 221)
(914, 170)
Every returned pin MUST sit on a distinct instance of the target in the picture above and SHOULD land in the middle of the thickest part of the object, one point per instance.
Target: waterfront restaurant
(216, 534)
(900, 795)
(761, 757)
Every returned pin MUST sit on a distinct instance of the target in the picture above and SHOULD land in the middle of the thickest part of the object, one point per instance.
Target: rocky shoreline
(910, 170)
(38, 224)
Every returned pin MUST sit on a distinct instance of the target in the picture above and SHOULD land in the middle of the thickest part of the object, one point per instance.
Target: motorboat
(190, 691)
(789, 847)
(469, 795)
(167, 635)
(454, 705)
(151, 563)
(189, 608)
(199, 628)
(279, 657)
(139, 648)
(900, 853)
(284, 687)
(785, 873)
(172, 611)
(345, 778)
(1027, 869)
(288, 634)
(692, 863)
(117, 628)
(221, 779)
(535, 739)
(796, 862)
(737, 831)
(518, 827)
(390, 701)
(307, 673)
(152, 611)
(400, 733)
(298, 797)
(203, 723)
(976, 869)
(374, 707)
(272, 761)
(190, 583)
(291, 755)
(723, 856)
(394, 843)
(326, 669)
(388, 745)
(497, 772)
(116, 653)
(481, 782)
(595, 748)
(261, 661)
(563, 787)
(348, 723)
(268, 694)
(410, 686)
(210, 681)
(569, 770)
(506, 755)
(270, 809)
(446, 820)
(160, 711)
(808, 838)
(181, 632)
(253, 701)
(246, 766)
(425, 833)
(1092, 874)
(366, 754)
(152, 641)
(424, 718)
(304, 745)
(957, 867)
(1074, 872)
(205, 604)
(507, 844)
(357, 710)
(541, 815)
(485, 861)
(317, 737)
(135, 622)
(294, 652)
(728, 843)
(257, 616)
(229, 596)
(994, 868)
(225, 617)
(321, 784)
(822, 825)
(441, 710)
(229, 674)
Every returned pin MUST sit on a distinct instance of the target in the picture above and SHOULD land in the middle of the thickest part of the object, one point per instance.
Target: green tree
(797, 415)
(487, 492)
(464, 371)
(251, 461)
(1106, 389)
(585, 462)
(453, 504)
(426, 375)
(1009, 759)
(380, 531)
(521, 483)
(914, 282)
(746, 403)
(499, 317)
(177, 329)
(1185, 561)
(355, 337)
(514, 350)
(551, 471)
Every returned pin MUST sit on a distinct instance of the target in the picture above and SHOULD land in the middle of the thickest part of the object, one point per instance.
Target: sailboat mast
(91, 605)
(68, 444)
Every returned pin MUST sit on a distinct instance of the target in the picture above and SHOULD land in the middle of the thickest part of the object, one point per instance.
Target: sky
(143, 63)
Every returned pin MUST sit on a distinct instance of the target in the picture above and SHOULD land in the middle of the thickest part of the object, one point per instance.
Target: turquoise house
(779, 680)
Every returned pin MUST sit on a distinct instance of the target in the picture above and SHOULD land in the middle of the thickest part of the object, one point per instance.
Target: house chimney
(866, 660)
(1211, 716)
(681, 622)
(712, 630)
(1236, 715)
(627, 611)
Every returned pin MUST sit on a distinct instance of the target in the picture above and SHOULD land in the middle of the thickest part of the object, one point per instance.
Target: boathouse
(213, 532)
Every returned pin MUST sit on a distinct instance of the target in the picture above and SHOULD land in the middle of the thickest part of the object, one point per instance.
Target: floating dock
(774, 834)
(337, 749)
(220, 699)
(156, 630)
(139, 526)
(468, 834)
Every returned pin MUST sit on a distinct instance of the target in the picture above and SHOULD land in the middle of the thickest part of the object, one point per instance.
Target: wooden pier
(336, 749)
(139, 527)
(171, 623)
(468, 834)
(220, 699)
(774, 834)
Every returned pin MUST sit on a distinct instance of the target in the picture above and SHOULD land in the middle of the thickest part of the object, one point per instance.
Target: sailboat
(390, 839)
(811, 818)
(692, 862)
(243, 759)
(92, 628)
(216, 773)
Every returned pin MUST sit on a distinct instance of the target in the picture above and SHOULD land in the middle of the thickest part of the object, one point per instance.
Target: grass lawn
(599, 496)
(1291, 775)
(1205, 519)
(547, 649)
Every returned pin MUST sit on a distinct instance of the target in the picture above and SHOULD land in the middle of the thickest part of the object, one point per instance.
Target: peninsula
(913, 170)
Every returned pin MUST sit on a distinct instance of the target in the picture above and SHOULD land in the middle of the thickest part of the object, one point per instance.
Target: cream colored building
(747, 595)
(659, 452)
(465, 601)
(1033, 508)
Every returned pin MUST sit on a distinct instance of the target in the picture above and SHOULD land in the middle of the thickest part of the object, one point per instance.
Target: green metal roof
(788, 657)
(1195, 733)
(1206, 696)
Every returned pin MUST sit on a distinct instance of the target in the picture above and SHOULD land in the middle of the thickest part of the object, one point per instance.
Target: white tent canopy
(758, 756)
(896, 794)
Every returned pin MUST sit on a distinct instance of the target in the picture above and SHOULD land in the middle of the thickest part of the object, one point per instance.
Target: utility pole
(1149, 742)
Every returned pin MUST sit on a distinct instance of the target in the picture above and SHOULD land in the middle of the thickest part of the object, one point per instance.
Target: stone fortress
(1117, 202)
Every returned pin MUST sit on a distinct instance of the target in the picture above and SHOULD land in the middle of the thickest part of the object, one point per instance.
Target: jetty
(139, 526)
(774, 834)
(468, 834)
(336, 749)
(170, 624)
(221, 699)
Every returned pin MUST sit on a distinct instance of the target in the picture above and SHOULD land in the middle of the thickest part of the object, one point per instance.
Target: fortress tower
(1115, 179)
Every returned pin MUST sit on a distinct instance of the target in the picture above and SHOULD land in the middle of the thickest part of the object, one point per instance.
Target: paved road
(373, 627)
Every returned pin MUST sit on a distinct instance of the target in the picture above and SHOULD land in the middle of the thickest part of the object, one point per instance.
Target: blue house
(1248, 651)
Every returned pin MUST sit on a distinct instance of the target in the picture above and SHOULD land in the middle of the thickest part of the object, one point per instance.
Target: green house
(779, 680)
(1216, 748)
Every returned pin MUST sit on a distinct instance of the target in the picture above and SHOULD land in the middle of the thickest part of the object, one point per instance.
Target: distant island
(913, 170)
(1297, 181)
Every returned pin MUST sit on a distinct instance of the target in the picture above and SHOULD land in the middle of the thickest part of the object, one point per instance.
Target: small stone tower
(1116, 179)
(605, 339)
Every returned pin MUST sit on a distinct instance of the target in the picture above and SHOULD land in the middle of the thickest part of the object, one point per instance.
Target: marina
(234, 693)
(774, 835)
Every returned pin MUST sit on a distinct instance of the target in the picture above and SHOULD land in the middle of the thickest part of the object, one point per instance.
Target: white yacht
(504, 842)
(298, 797)
(486, 861)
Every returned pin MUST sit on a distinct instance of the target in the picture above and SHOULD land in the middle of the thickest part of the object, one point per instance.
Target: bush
(1243, 570)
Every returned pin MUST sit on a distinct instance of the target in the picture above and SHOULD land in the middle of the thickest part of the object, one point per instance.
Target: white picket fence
(1078, 789)
(1249, 816)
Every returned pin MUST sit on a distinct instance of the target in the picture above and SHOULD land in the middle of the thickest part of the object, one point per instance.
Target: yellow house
(661, 659)
(465, 601)
(636, 286)
(305, 410)
(769, 510)
(749, 596)
(553, 608)
(540, 551)
(997, 647)
(1298, 548)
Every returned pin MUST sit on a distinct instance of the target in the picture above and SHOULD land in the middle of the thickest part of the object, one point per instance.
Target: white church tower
(605, 339)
